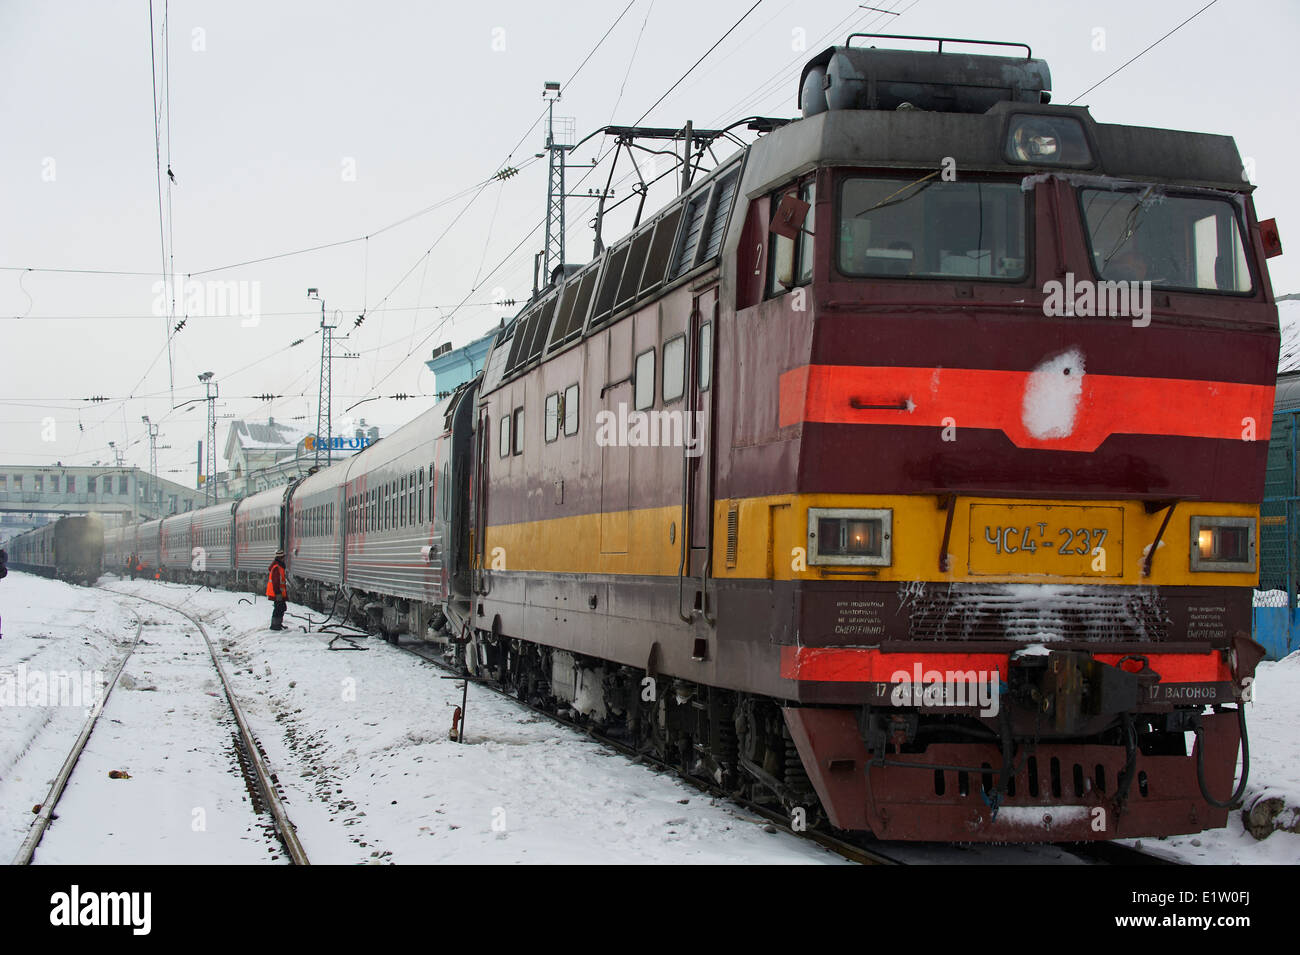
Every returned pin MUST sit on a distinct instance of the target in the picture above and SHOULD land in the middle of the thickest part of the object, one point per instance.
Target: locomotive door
(615, 456)
(699, 450)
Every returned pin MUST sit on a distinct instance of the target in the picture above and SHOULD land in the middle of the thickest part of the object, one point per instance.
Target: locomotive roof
(912, 138)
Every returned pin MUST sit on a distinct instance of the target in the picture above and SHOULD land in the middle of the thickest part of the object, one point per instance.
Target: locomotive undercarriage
(1030, 773)
(736, 743)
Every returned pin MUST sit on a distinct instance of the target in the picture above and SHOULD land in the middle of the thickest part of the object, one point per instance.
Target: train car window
(54, 484)
(90, 485)
(419, 496)
(410, 499)
(401, 503)
(704, 372)
(38, 482)
(896, 228)
(18, 482)
(719, 210)
(609, 281)
(121, 484)
(518, 430)
(72, 484)
(690, 241)
(1179, 242)
(674, 384)
(504, 441)
(552, 416)
(433, 485)
(570, 410)
(643, 380)
(633, 267)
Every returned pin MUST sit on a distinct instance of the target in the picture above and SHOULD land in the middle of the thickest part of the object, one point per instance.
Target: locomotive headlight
(1225, 544)
(1047, 141)
(850, 536)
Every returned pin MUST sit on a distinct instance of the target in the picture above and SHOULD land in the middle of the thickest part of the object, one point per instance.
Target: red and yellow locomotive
(906, 466)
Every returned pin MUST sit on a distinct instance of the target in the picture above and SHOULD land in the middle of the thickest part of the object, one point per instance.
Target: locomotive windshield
(1179, 242)
(932, 229)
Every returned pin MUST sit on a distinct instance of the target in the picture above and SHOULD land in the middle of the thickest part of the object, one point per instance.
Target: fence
(1277, 623)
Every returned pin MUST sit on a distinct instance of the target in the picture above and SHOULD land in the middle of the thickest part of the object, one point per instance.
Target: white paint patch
(1052, 395)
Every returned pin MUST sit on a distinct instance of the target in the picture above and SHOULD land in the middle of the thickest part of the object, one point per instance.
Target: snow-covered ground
(360, 743)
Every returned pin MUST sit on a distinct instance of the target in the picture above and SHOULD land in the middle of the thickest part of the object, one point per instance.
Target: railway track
(45, 813)
(258, 778)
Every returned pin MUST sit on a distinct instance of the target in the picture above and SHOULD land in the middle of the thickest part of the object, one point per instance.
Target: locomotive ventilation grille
(1032, 612)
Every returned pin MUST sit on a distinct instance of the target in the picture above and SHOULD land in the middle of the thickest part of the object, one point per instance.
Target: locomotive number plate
(1037, 540)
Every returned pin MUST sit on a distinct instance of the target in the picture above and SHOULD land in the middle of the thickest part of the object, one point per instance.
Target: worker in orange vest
(275, 590)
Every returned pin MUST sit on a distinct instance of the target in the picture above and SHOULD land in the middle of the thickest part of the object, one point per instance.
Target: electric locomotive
(905, 468)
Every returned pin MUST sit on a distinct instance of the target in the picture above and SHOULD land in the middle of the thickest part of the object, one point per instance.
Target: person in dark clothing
(277, 591)
(4, 560)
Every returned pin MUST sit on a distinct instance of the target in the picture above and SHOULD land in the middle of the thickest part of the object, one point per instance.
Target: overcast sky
(301, 124)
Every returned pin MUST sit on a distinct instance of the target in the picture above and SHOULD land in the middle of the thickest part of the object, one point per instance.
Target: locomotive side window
(929, 228)
(504, 441)
(705, 375)
(552, 416)
(420, 497)
(571, 410)
(1178, 242)
(643, 382)
(674, 385)
(519, 431)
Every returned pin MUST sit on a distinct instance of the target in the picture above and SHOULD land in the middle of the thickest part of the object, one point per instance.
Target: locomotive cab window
(928, 228)
(503, 442)
(1178, 242)
(518, 443)
(790, 260)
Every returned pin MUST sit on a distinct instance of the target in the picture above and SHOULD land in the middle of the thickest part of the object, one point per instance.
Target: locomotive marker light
(850, 536)
(1223, 544)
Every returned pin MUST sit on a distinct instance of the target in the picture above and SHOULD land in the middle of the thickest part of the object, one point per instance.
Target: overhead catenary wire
(1142, 53)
